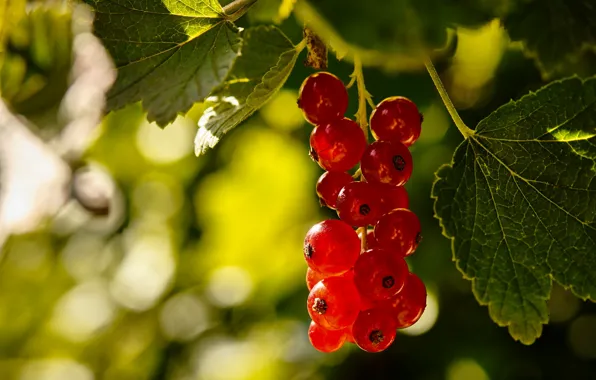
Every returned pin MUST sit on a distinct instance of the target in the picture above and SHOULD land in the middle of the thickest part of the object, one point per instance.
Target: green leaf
(519, 204)
(553, 31)
(267, 60)
(405, 26)
(169, 53)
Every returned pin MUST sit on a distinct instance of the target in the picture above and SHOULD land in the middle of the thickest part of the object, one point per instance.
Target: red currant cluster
(361, 297)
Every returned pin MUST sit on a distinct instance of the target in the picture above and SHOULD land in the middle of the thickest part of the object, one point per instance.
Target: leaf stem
(459, 123)
(237, 9)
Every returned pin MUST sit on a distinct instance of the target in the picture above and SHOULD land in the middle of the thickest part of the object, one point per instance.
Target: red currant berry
(325, 340)
(393, 197)
(399, 229)
(312, 277)
(387, 162)
(374, 329)
(337, 145)
(329, 185)
(396, 119)
(349, 336)
(333, 303)
(409, 304)
(323, 97)
(359, 204)
(379, 275)
(331, 247)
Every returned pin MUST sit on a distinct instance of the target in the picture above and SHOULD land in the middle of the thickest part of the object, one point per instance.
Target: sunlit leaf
(519, 203)
(267, 60)
(169, 54)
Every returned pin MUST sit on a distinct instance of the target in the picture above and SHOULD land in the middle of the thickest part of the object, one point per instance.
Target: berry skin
(331, 247)
(359, 204)
(374, 329)
(334, 303)
(323, 97)
(329, 185)
(337, 145)
(325, 340)
(379, 275)
(312, 277)
(396, 119)
(393, 197)
(399, 229)
(387, 162)
(409, 304)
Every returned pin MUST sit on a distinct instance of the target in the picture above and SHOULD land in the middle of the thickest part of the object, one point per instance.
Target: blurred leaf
(267, 60)
(11, 11)
(519, 203)
(169, 54)
(273, 11)
(553, 31)
(34, 75)
(404, 26)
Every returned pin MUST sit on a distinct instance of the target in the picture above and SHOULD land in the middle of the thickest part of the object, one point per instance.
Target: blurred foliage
(37, 59)
(196, 272)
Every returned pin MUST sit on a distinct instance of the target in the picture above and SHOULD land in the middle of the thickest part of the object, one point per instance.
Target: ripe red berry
(312, 277)
(374, 329)
(325, 340)
(337, 145)
(393, 197)
(387, 162)
(323, 97)
(399, 229)
(379, 274)
(359, 204)
(333, 303)
(409, 304)
(396, 119)
(349, 336)
(329, 185)
(331, 247)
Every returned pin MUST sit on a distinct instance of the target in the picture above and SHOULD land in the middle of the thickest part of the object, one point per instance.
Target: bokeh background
(156, 264)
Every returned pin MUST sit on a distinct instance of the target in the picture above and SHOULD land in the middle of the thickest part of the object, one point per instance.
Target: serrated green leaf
(553, 31)
(267, 60)
(519, 203)
(405, 26)
(169, 53)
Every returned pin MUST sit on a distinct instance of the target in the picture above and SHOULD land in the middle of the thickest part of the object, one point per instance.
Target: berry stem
(364, 96)
(459, 123)
(363, 231)
(237, 9)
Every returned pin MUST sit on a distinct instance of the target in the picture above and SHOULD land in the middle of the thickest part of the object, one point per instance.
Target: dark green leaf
(553, 31)
(519, 203)
(401, 25)
(169, 54)
(267, 60)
